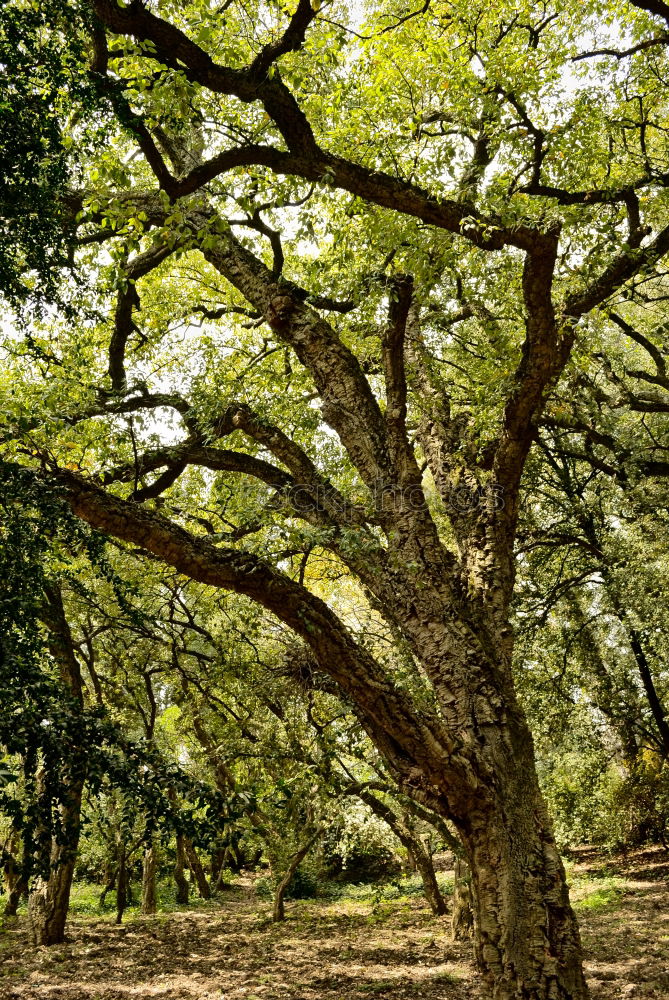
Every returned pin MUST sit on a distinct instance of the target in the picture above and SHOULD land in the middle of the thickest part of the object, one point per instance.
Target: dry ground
(345, 950)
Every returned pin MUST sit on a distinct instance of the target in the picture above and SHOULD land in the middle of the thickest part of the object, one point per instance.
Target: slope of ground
(344, 950)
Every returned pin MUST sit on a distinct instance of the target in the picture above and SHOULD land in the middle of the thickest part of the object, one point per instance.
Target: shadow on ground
(346, 950)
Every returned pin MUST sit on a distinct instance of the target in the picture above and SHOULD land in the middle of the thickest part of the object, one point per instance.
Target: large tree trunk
(48, 904)
(49, 898)
(527, 941)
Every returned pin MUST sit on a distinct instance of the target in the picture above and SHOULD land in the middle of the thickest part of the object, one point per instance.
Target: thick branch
(349, 405)
(127, 301)
(543, 357)
(401, 294)
(354, 670)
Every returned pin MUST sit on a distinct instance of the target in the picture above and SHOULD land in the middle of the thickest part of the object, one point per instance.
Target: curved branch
(624, 267)
(304, 157)
(175, 49)
(399, 732)
(349, 404)
(649, 43)
(642, 341)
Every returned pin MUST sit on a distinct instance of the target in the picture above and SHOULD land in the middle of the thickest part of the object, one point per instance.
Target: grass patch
(450, 978)
(401, 889)
(85, 900)
(593, 895)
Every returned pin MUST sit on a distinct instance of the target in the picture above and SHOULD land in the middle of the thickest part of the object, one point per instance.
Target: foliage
(639, 803)
(50, 738)
(41, 74)
(361, 848)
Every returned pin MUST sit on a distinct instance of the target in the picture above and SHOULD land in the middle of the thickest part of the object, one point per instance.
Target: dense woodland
(334, 429)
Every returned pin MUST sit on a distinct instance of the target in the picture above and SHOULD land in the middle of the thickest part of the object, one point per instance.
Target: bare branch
(649, 43)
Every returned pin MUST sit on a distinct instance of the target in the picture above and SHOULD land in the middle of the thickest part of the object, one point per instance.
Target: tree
(57, 739)
(42, 723)
(401, 223)
(591, 647)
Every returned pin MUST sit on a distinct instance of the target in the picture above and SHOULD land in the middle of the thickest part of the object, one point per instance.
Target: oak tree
(347, 257)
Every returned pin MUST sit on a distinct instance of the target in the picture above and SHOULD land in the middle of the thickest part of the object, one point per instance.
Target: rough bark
(526, 933)
(48, 904)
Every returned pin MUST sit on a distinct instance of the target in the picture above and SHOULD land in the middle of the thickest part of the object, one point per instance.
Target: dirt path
(623, 907)
(346, 950)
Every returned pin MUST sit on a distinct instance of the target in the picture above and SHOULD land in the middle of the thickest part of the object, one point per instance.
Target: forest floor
(359, 946)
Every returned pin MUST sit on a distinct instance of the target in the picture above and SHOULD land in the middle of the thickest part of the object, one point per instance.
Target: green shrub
(361, 848)
(307, 883)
